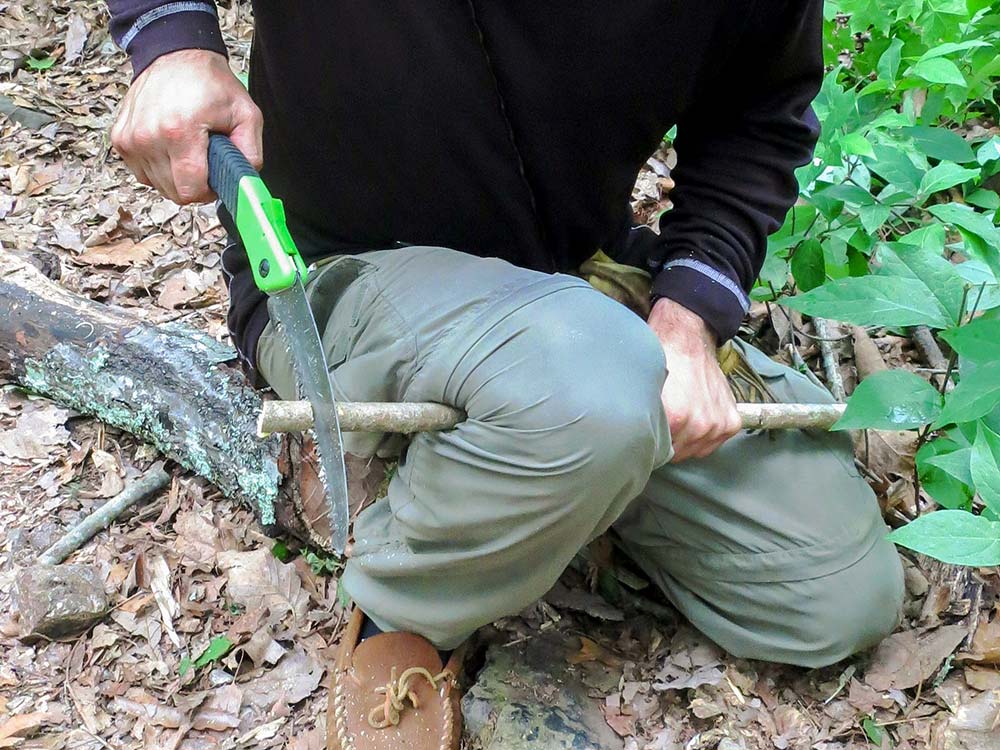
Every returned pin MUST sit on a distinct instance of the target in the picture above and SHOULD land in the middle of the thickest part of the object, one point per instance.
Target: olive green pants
(773, 546)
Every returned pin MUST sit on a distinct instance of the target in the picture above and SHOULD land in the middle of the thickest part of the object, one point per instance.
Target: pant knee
(603, 389)
(851, 610)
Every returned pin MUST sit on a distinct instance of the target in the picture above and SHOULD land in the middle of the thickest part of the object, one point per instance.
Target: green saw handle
(259, 217)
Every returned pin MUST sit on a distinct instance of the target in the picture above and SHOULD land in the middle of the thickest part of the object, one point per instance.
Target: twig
(829, 357)
(931, 352)
(295, 416)
(152, 481)
(801, 366)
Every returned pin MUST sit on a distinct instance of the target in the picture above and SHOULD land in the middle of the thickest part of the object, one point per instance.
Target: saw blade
(291, 312)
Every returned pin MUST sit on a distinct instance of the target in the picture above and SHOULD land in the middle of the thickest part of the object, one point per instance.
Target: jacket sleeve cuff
(706, 291)
(190, 24)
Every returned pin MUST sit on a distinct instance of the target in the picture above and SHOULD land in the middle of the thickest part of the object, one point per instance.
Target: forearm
(738, 148)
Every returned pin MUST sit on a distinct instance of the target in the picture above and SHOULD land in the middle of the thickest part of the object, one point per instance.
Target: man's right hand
(163, 125)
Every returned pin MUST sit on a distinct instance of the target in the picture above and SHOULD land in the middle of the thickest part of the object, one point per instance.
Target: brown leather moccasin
(391, 691)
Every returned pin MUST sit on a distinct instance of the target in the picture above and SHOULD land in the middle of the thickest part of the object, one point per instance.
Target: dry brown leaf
(44, 178)
(151, 713)
(159, 584)
(20, 726)
(36, 432)
(197, 538)
(259, 580)
(187, 287)
(622, 724)
(294, 678)
(906, 659)
(121, 254)
(263, 649)
(111, 474)
(986, 642)
(888, 454)
(591, 650)
(76, 37)
(983, 678)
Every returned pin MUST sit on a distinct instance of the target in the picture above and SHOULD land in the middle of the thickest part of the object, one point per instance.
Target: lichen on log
(164, 384)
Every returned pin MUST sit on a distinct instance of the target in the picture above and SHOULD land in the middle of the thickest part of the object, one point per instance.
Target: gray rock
(58, 600)
(528, 696)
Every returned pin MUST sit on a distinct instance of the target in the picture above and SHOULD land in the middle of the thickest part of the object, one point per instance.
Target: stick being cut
(295, 416)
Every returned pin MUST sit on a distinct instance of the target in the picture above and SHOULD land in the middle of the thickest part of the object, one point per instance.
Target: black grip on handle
(226, 166)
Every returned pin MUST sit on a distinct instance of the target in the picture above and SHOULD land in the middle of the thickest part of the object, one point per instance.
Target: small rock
(59, 600)
(916, 582)
(528, 696)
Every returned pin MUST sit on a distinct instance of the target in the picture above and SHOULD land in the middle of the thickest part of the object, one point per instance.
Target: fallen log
(168, 385)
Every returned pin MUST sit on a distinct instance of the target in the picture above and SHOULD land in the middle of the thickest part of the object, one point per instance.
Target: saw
(280, 272)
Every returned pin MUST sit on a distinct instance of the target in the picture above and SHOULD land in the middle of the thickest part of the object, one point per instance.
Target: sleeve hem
(705, 291)
(171, 27)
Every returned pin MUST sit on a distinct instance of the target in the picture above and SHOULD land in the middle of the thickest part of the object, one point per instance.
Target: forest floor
(190, 566)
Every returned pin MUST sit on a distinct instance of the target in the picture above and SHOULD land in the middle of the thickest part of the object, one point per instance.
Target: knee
(606, 370)
(850, 610)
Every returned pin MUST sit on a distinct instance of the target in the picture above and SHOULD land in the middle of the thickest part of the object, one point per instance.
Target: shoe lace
(396, 691)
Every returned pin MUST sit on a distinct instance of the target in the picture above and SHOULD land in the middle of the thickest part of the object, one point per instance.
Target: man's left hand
(696, 396)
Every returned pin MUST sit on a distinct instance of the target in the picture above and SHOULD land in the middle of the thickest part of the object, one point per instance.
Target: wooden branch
(923, 339)
(154, 480)
(831, 367)
(295, 416)
(168, 385)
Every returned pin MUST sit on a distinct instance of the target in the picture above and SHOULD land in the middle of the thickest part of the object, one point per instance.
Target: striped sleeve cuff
(172, 26)
(704, 290)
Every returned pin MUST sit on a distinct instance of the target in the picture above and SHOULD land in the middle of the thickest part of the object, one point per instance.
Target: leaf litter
(189, 570)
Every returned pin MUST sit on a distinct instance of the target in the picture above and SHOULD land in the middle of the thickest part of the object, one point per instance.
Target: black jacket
(516, 128)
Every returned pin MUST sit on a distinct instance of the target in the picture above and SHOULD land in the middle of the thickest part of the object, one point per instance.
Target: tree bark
(167, 385)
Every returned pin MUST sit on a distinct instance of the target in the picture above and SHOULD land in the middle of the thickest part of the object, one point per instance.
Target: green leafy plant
(40, 63)
(897, 226)
(217, 648)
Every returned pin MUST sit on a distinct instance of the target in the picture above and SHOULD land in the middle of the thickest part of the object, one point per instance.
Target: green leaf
(977, 395)
(931, 237)
(847, 193)
(184, 666)
(940, 143)
(955, 464)
(928, 266)
(43, 63)
(985, 466)
(809, 265)
(891, 400)
(856, 143)
(978, 341)
(873, 300)
(989, 151)
(952, 536)
(979, 225)
(948, 47)
(945, 175)
(873, 217)
(888, 64)
(947, 490)
(217, 648)
(969, 219)
(895, 167)
(280, 550)
(873, 731)
(987, 199)
(939, 70)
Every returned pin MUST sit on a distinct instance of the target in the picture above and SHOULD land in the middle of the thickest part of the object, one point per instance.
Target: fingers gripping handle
(259, 218)
(226, 167)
